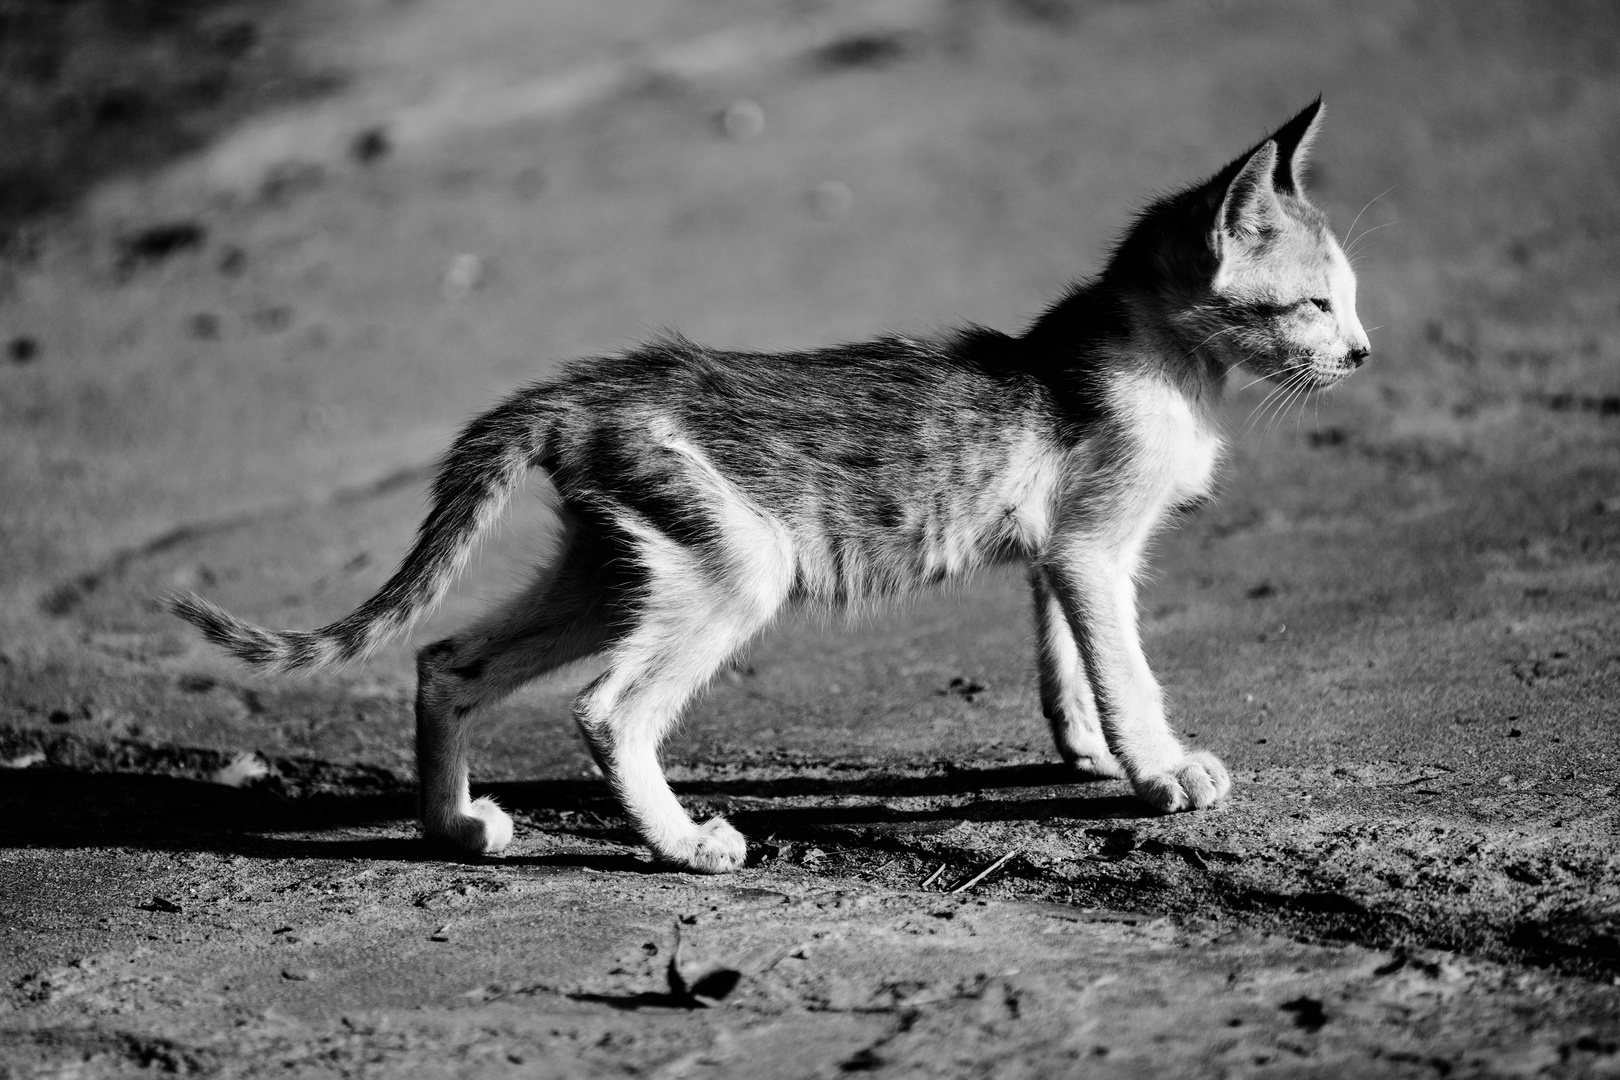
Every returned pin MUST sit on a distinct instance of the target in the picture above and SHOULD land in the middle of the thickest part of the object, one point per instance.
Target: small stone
(204, 326)
(742, 120)
(465, 273)
(22, 349)
(371, 145)
(832, 199)
(159, 242)
(244, 769)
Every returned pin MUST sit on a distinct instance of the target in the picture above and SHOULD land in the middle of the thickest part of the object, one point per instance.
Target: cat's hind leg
(1066, 698)
(574, 608)
(698, 607)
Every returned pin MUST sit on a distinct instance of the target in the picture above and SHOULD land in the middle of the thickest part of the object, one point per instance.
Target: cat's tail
(476, 478)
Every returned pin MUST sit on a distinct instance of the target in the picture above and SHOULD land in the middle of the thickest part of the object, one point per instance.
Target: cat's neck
(1100, 325)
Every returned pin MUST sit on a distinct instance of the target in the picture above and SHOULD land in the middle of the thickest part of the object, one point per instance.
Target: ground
(232, 353)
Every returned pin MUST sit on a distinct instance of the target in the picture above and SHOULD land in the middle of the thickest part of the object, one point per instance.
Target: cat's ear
(1249, 207)
(1293, 141)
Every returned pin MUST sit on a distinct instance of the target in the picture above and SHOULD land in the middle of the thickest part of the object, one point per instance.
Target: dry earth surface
(231, 369)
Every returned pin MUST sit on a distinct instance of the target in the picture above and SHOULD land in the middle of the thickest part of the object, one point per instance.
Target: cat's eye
(1321, 303)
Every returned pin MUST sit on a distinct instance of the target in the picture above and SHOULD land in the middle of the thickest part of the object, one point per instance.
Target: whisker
(1368, 232)
(1249, 420)
(1304, 406)
(1277, 410)
(1301, 386)
(1248, 357)
(1206, 341)
(1294, 373)
(1298, 395)
(1363, 210)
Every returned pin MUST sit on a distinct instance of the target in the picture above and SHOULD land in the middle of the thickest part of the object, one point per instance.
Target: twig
(931, 878)
(986, 872)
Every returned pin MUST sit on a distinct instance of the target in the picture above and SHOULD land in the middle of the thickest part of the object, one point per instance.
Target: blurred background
(259, 260)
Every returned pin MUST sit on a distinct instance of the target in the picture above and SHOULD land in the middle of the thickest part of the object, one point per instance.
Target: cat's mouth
(1312, 373)
(1324, 376)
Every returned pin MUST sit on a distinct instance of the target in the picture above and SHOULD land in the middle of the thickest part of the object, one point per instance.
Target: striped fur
(702, 491)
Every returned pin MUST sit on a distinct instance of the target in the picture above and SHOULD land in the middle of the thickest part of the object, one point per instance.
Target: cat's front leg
(1095, 587)
(1066, 699)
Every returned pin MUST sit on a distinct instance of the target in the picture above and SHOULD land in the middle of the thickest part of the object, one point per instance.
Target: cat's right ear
(1293, 141)
(1249, 208)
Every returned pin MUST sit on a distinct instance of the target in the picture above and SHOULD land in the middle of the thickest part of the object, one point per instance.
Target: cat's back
(894, 401)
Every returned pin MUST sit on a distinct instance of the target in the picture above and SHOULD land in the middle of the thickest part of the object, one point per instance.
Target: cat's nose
(1358, 354)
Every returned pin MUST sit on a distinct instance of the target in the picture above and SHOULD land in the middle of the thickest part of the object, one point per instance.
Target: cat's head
(1260, 278)
(1281, 281)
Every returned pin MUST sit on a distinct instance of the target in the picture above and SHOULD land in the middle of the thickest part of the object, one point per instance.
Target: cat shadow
(813, 822)
(67, 809)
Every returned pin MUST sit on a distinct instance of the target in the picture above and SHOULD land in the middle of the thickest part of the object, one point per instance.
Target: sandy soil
(1398, 625)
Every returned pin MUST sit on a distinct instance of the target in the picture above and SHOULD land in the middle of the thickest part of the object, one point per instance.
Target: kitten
(700, 491)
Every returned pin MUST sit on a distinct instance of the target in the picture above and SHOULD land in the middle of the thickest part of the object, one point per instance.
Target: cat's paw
(1196, 781)
(485, 829)
(497, 825)
(1082, 746)
(1103, 766)
(714, 847)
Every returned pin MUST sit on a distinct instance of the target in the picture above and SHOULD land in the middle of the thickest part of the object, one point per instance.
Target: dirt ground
(230, 369)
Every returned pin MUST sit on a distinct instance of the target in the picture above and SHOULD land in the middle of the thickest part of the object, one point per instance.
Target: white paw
(1085, 749)
(485, 829)
(1196, 781)
(1101, 766)
(711, 848)
(498, 824)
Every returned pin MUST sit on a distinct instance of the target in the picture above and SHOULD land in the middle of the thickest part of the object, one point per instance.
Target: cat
(699, 491)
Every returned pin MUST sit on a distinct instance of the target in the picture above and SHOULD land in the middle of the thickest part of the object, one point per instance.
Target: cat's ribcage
(853, 545)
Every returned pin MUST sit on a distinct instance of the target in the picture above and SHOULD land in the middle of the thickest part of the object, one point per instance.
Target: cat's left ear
(1293, 141)
(1249, 208)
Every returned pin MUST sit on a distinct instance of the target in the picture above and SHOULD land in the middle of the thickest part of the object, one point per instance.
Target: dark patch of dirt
(95, 88)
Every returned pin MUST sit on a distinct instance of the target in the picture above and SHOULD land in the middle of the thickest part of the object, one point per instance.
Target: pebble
(832, 199)
(742, 120)
(464, 273)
